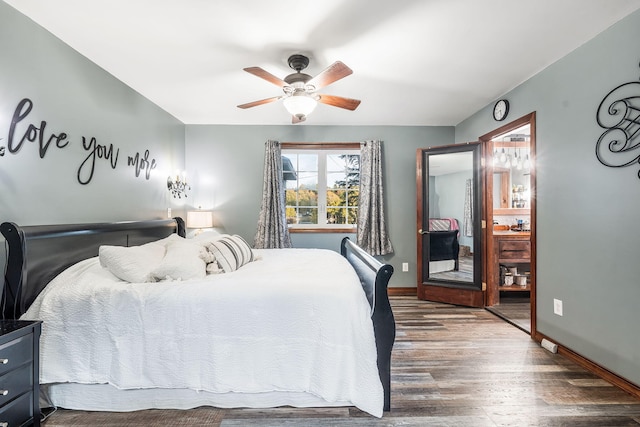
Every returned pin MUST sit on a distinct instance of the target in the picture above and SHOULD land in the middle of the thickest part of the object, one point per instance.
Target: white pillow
(167, 240)
(131, 264)
(231, 252)
(207, 237)
(182, 261)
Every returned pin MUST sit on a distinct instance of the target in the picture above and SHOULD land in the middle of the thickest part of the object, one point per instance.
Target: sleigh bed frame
(37, 254)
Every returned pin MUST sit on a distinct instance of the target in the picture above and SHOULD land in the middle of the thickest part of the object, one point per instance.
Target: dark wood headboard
(38, 253)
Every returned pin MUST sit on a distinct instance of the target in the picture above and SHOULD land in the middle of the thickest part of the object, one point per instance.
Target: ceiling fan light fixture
(300, 97)
(299, 104)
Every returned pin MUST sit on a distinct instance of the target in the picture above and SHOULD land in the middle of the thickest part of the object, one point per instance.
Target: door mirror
(451, 224)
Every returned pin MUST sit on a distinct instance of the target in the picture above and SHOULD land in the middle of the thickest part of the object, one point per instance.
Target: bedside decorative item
(178, 185)
(619, 114)
(199, 219)
(500, 110)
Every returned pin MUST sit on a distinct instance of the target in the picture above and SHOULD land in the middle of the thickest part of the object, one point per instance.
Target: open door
(449, 224)
(501, 183)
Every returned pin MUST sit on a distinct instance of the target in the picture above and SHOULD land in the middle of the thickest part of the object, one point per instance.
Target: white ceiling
(415, 62)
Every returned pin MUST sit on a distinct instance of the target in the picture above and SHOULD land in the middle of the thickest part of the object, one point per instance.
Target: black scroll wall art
(619, 114)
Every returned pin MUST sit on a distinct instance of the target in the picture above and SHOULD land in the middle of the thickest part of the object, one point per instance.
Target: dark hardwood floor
(452, 366)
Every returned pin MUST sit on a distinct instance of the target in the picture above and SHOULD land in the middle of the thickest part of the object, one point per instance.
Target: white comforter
(294, 321)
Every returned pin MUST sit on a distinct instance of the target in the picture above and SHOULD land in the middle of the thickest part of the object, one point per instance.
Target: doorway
(509, 206)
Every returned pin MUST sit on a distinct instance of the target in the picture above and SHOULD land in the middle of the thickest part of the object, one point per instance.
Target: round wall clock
(501, 109)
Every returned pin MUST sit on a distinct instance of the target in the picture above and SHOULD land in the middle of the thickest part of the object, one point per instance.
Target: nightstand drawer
(15, 353)
(17, 412)
(16, 382)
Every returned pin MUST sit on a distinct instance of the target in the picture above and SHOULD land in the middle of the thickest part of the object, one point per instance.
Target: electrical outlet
(557, 307)
(405, 266)
(168, 212)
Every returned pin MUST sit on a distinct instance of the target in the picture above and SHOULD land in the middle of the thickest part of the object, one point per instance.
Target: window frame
(319, 147)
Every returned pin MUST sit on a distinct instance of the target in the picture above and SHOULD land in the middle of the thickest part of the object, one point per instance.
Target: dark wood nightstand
(19, 373)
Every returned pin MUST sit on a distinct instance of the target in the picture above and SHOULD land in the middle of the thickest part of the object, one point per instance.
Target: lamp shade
(299, 104)
(199, 219)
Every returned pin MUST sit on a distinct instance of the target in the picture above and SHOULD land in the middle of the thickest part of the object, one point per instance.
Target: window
(321, 193)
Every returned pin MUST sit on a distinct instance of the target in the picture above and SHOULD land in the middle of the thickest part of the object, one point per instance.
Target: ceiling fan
(300, 96)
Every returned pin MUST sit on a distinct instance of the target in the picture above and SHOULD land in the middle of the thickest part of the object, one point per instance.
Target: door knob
(422, 231)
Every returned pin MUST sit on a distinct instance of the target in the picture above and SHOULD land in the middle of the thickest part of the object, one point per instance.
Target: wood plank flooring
(451, 366)
(515, 309)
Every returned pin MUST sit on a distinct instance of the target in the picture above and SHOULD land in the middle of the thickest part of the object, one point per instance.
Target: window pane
(307, 162)
(352, 198)
(307, 197)
(307, 216)
(335, 204)
(336, 215)
(291, 215)
(336, 180)
(352, 161)
(291, 185)
(352, 217)
(308, 180)
(336, 198)
(336, 162)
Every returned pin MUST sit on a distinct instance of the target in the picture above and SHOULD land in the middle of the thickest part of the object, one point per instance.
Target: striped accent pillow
(231, 252)
(437, 224)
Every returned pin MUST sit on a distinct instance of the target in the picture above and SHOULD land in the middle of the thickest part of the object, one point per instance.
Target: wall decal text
(32, 133)
(96, 151)
(21, 132)
(142, 163)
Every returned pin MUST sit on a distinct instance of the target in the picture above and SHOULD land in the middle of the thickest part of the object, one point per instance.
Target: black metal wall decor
(619, 114)
(21, 132)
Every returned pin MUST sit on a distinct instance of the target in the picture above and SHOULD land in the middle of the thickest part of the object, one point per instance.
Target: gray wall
(227, 162)
(588, 233)
(74, 96)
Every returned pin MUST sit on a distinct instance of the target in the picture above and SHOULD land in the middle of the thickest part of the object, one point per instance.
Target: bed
(252, 337)
(444, 247)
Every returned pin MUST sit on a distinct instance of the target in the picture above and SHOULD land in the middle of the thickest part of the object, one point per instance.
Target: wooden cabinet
(512, 251)
(19, 373)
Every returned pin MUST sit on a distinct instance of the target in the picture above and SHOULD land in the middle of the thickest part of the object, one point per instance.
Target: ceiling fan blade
(261, 102)
(332, 73)
(257, 71)
(298, 119)
(338, 101)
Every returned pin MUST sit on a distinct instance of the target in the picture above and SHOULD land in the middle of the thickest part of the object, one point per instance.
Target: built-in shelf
(511, 211)
(514, 288)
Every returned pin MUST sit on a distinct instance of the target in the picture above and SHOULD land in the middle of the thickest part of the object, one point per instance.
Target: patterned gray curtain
(468, 209)
(372, 228)
(272, 225)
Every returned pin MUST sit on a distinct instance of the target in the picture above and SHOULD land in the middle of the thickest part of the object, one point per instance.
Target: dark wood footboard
(374, 277)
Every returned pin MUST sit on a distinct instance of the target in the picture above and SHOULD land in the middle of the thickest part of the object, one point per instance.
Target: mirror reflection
(511, 171)
(450, 219)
